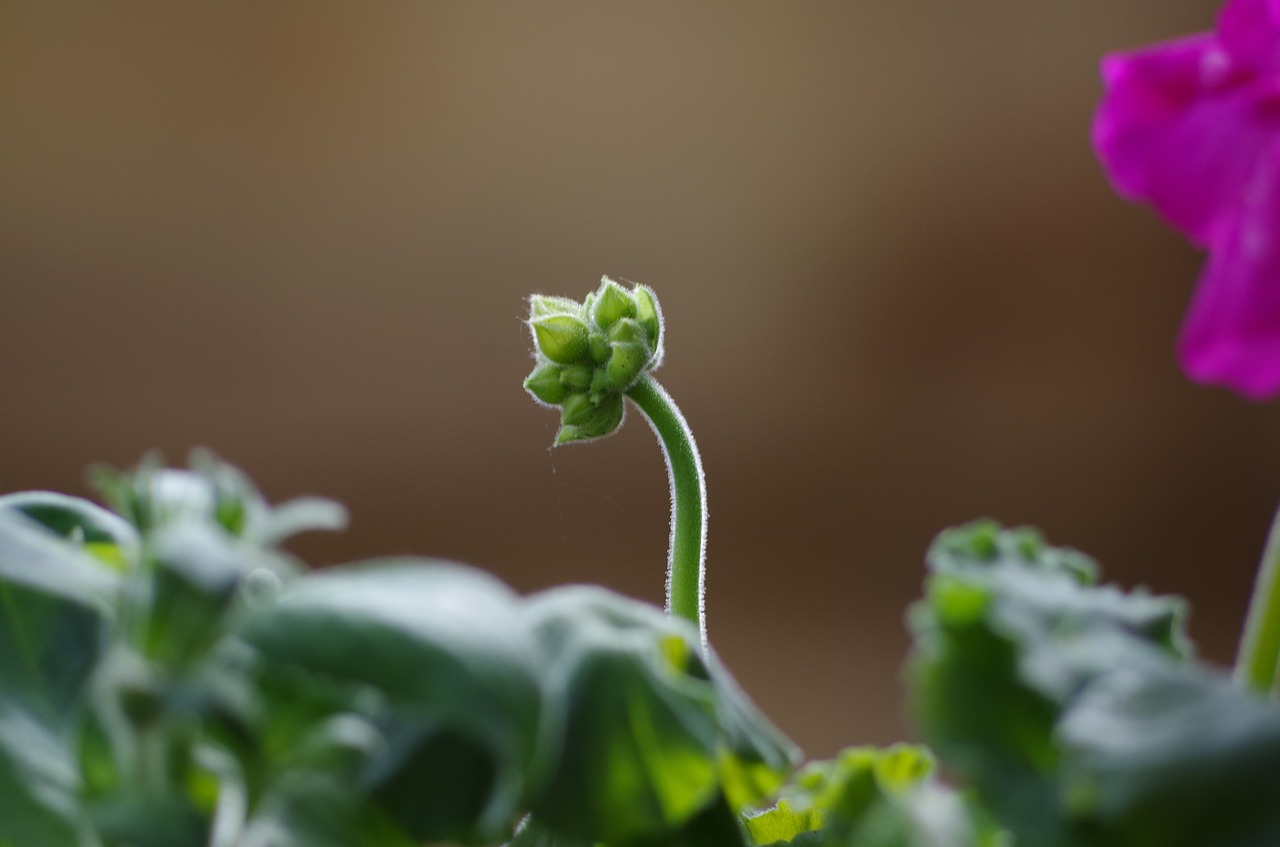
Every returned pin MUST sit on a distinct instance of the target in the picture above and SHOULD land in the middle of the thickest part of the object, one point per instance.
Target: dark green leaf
(447, 649)
(38, 786)
(53, 619)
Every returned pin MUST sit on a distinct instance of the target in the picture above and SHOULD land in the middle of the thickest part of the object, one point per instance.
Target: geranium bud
(599, 421)
(599, 348)
(561, 338)
(577, 377)
(612, 304)
(545, 384)
(626, 363)
(626, 330)
(649, 316)
(541, 306)
(576, 409)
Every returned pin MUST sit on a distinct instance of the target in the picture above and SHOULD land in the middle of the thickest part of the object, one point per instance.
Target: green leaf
(446, 647)
(54, 601)
(104, 535)
(868, 798)
(1175, 756)
(313, 810)
(38, 786)
(646, 736)
(212, 493)
(143, 820)
(1010, 634)
(197, 574)
(294, 517)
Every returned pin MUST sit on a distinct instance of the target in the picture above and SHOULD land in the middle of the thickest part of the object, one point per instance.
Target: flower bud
(600, 351)
(649, 316)
(576, 409)
(541, 306)
(561, 338)
(625, 365)
(592, 420)
(590, 354)
(577, 377)
(612, 303)
(545, 384)
(628, 330)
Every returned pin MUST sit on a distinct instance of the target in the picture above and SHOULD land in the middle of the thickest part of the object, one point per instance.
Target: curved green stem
(686, 561)
(1259, 654)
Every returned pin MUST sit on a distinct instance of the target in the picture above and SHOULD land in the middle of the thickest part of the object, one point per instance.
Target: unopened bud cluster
(590, 353)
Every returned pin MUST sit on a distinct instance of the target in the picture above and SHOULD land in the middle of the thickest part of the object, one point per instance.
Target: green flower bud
(625, 365)
(577, 377)
(561, 338)
(600, 351)
(541, 306)
(628, 330)
(545, 383)
(603, 346)
(612, 303)
(600, 382)
(649, 316)
(595, 420)
(576, 409)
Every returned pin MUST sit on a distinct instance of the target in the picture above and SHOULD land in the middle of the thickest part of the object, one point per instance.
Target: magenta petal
(1179, 128)
(1231, 336)
(1250, 31)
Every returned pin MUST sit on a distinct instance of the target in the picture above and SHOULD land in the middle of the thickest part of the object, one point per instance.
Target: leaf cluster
(1076, 711)
(169, 676)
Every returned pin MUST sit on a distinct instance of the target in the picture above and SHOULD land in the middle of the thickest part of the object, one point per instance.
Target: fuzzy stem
(1259, 654)
(686, 561)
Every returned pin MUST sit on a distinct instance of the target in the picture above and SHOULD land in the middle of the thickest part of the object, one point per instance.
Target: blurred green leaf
(313, 810)
(1173, 756)
(448, 650)
(211, 493)
(1072, 708)
(197, 572)
(39, 786)
(104, 535)
(868, 798)
(293, 517)
(54, 600)
(646, 735)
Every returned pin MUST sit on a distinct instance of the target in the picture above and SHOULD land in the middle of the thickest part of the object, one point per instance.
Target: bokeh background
(899, 295)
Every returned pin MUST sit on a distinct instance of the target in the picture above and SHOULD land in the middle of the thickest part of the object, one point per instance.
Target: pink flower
(1193, 127)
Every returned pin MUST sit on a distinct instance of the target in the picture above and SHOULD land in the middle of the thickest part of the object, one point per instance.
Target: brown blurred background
(899, 294)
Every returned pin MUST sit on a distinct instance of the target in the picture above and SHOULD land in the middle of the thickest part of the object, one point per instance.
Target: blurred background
(899, 295)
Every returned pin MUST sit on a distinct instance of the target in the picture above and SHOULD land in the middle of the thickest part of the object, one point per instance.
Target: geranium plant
(171, 677)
